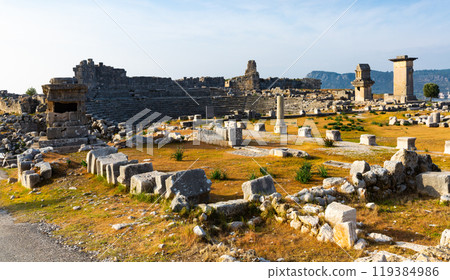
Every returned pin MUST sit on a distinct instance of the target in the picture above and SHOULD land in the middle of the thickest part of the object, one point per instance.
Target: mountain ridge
(384, 80)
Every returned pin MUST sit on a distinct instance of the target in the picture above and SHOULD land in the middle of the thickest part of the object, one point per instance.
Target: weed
(218, 174)
(323, 171)
(252, 176)
(265, 172)
(303, 174)
(328, 142)
(83, 163)
(179, 154)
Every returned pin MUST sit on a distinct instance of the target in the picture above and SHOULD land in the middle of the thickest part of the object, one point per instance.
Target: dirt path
(22, 242)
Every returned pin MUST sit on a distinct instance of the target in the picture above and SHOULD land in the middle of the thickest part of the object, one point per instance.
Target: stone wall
(107, 81)
(18, 104)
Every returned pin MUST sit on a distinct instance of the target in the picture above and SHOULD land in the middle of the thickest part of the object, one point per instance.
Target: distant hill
(383, 80)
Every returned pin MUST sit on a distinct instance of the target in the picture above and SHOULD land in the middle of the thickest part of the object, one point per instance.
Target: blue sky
(44, 39)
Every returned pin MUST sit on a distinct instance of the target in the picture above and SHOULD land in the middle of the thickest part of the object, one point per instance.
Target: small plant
(178, 155)
(252, 176)
(265, 172)
(218, 174)
(323, 171)
(83, 163)
(303, 174)
(328, 142)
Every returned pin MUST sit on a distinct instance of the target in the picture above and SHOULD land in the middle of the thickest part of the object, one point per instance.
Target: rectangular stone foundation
(408, 143)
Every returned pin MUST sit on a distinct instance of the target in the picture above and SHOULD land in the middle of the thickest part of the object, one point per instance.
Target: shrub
(323, 171)
(83, 163)
(303, 174)
(328, 142)
(31, 91)
(218, 174)
(178, 155)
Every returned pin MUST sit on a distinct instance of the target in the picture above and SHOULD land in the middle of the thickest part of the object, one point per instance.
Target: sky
(189, 38)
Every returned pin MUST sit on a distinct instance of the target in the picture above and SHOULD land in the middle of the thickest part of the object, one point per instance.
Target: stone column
(280, 126)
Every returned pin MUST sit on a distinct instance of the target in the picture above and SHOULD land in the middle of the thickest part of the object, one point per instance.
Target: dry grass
(104, 205)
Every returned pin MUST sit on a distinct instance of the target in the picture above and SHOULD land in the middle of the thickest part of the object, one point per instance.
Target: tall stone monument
(363, 83)
(280, 126)
(403, 78)
(67, 123)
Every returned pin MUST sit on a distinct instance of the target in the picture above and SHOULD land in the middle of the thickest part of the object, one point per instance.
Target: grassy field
(405, 218)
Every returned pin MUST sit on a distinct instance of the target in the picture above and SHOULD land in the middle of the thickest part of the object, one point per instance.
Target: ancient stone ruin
(363, 83)
(66, 115)
(403, 78)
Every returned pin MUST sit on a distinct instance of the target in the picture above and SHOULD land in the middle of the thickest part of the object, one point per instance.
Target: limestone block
(113, 170)
(92, 156)
(30, 179)
(160, 181)
(230, 208)
(22, 166)
(103, 161)
(360, 166)
(305, 131)
(433, 184)
(445, 238)
(409, 159)
(179, 202)
(144, 182)
(45, 169)
(407, 143)
(260, 127)
(344, 234)
(395, 170)
(333, 135)
(368, 139)
(325, 233)
(333, 182)
(262, 186)
(193, 184)
(128, 171)
(311, 221)
(339, 213)
(447, 147)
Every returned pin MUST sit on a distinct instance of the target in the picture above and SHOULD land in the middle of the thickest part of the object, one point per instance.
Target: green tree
(431, 90)
(31, 91)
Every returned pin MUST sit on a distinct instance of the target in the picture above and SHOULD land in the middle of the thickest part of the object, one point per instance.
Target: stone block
(339, 213)
(368, 139)
(359, 166)
(445, 238)
(259, 127)
(22, 166)
(305, 131)
(325, 233)
(333, 182)
(192, 184)
(129, 170)
(92, 156)
(344, 234)
(160, 181)
(407, 143)
(30, 179)
(113, 170)
(333, 135)
(103, 161)
(433, 184)
(144, 182)
(45, 169)
(230, 208)
(447, 147)
(261, 186)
